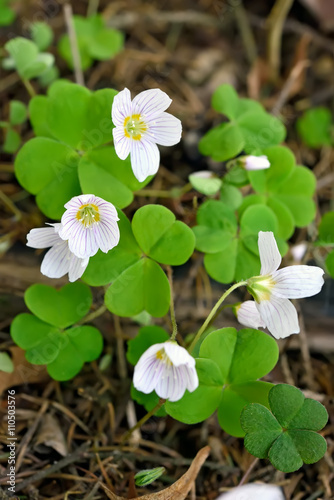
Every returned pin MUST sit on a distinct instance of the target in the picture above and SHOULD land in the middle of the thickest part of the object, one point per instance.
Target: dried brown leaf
(50, 434)
(180, 489)
(323, 10)
(24, 372)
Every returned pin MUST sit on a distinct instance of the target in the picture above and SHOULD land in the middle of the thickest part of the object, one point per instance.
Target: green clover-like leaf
(6, 364)
(314, 127)
(7, 15)
(161, 237)
(286, 188)
(26, 59)
(205, 182)
(286, 434)
(142, 286)
(46, 337)
(330, 263)
(250, 128)
(63, 351)
(217, 225)
(95, 41)
(326, 230)
(60, 308)
(17, 112)
(12, 141)
(42, 34)
(232, 255)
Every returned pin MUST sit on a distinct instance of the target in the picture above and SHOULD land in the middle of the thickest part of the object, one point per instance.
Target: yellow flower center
(162, 356)
(260, 287)
(134, 127)
(88, 214)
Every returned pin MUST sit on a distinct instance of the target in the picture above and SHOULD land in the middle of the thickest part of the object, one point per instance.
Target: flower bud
(147, 476)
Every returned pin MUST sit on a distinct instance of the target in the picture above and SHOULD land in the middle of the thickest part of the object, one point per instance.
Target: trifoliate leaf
(286, 435)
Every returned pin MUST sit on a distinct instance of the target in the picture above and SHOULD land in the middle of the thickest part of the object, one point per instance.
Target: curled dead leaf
(51, 435)
(24, 372)
(180, 489)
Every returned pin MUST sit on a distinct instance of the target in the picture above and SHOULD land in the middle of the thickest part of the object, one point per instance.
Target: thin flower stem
(95, 314)
(274, 24)
(68, 14)
(225, 306)
(154, 192)
(93, 7)
(213, 312)
(172, 308)
(160, 193)
(248, 471)
(29, 87)
(4, 167)
(142, 421)
(12, 207)
(246, 32)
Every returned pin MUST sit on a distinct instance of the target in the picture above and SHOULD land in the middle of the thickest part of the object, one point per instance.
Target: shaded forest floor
(187, 49)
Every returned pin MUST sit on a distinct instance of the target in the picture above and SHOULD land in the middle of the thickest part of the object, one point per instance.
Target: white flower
(254, 162)
(166, 368)
(248, 315)
(89, 224)
(253, 492)
(272, 289)
(298, 251)
(142, 124)
(59, 260)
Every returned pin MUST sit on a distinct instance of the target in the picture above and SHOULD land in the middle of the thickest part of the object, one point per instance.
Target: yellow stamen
(163, 357)
(134, 127)
(88, 214)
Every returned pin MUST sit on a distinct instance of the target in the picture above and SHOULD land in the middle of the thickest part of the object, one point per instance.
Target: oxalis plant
(84, 167)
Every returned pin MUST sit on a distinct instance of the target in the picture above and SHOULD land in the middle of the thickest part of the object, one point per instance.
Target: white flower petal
(148, 369)
(56, 261)
(178, 355)
(107, 210)
(269, 253)
(248, 315)
(280, 316)
(150, 103)
(121, 142)
(192, 378)
(121, 107)
(145, 158)
(165, 130)
(42, 237)
(171, 385)
(82, 242)
(56, 226)
(147, 382)
(76, 202)
(107, 236)
(296, 282)
(77, 267)
(256, 162)
(253, 492)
